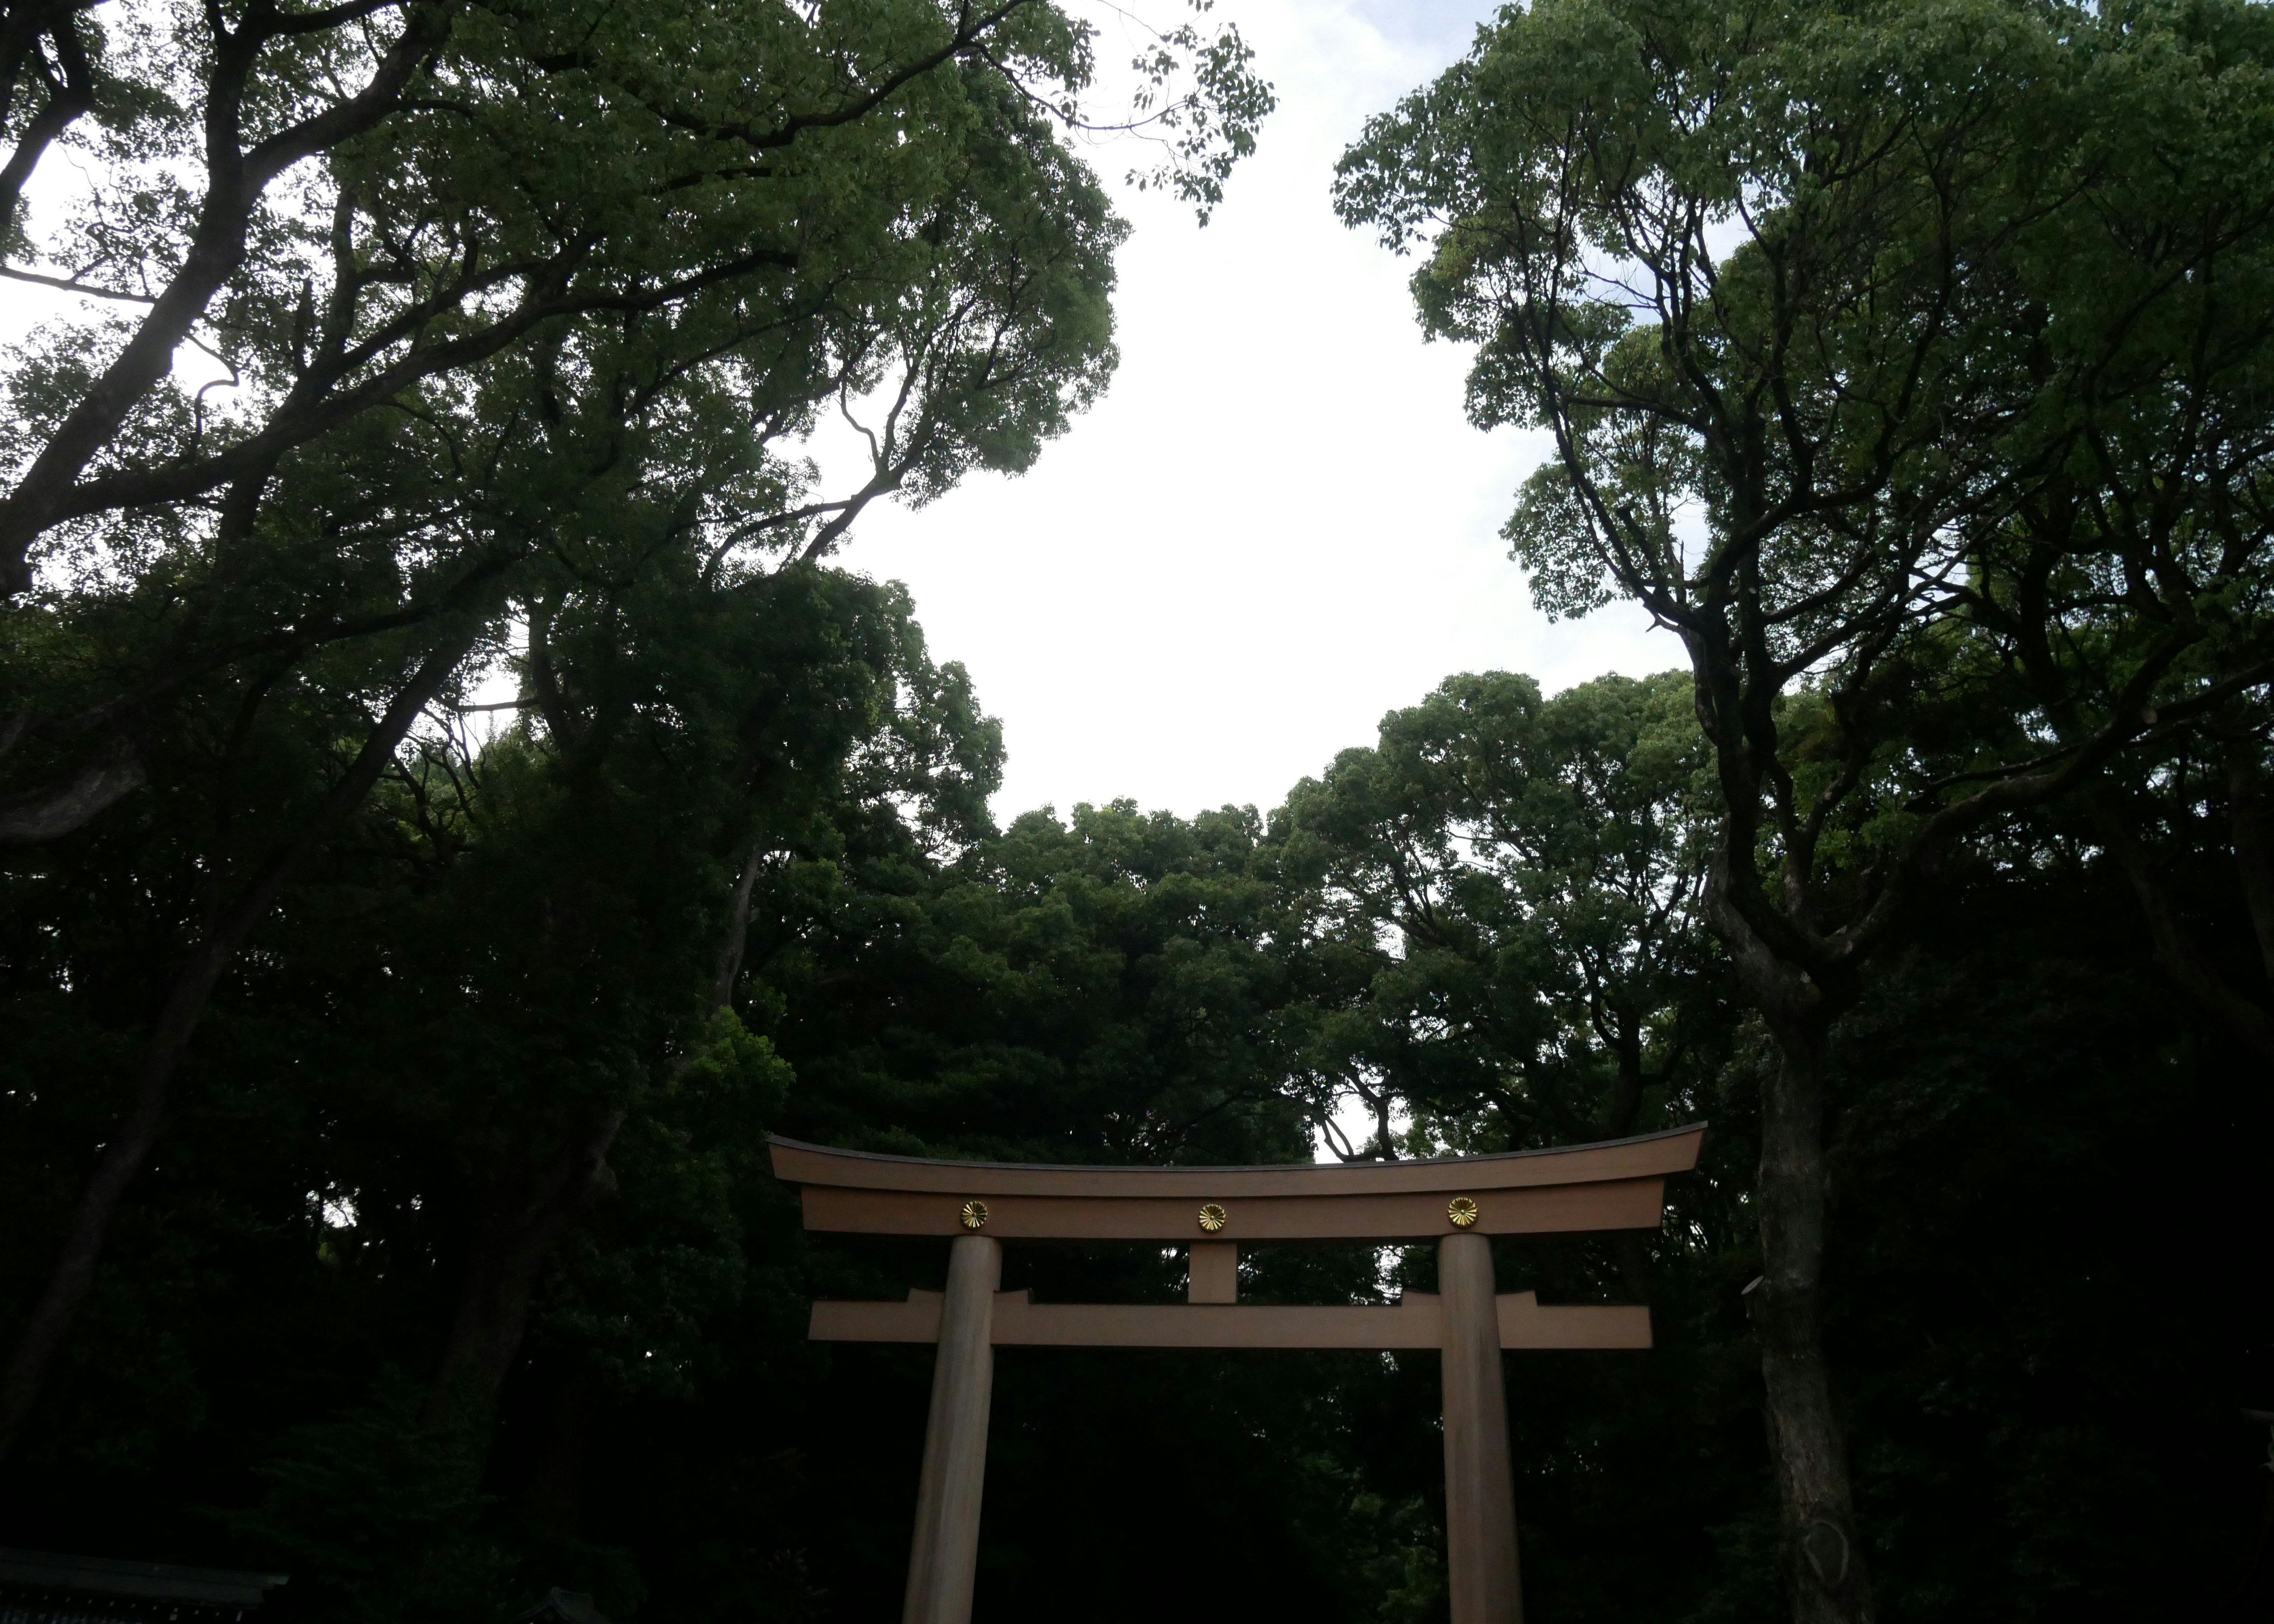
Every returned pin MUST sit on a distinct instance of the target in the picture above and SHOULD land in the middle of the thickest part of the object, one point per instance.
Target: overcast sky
(1277, 525)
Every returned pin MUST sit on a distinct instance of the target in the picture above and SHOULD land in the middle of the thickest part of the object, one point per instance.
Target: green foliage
(514, 303)
(513, 933)
(1537, 863)
(379, 1517)
(1909, 362)
(1914, 355)
(691, 204)
(1109, 989)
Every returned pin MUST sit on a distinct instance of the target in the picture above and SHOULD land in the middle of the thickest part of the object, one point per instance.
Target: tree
(1816, 302)
(512, 938)
(499, 988)
(1539, 861)
(397, 191)
(592, 894)
(2121, 583)
(442, 269)
(505, 299)
(2202, 796)
(1108, 986)
(1110, 989)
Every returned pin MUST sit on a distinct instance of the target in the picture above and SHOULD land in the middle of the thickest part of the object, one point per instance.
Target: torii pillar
(944, 1557)
(1616, 1185)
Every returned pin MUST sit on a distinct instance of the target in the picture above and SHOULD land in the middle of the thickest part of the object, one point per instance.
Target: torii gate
(1455, 1200)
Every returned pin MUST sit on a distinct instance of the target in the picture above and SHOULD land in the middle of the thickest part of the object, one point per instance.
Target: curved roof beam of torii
(1615, 1184)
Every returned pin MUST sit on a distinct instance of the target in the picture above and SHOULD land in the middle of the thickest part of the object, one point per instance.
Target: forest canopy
(456, 802)
(485, 961)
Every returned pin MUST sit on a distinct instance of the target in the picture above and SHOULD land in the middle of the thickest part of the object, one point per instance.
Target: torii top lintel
(1615, 1184)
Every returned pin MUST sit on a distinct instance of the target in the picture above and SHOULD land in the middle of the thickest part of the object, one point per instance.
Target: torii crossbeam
(1457, 1201)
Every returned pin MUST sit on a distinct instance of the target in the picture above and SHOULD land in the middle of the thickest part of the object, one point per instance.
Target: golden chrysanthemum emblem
(1462, 1211)
(1214, 1217)
(974, 1214)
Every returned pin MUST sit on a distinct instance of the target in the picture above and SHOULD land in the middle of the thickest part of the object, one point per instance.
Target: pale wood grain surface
(1414, 1324)
(1480, 1566)
(944, 1557)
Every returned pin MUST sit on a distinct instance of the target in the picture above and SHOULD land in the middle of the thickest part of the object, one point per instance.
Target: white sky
(1277, 525)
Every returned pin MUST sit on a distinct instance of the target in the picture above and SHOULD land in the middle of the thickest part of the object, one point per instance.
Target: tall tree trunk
(2178, 953)
(1826, 1578)
(522, 1223)
(1825, 1569)
(1631, 1248)
(2253, 848)
(58, 809)
(127, 1151)
(553, 1496)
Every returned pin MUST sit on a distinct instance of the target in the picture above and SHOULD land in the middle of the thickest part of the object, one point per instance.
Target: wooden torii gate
(1455, 1200)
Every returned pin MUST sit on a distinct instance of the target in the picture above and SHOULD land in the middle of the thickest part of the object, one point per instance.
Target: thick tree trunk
(19, 37)
(553, 1496)
(523, 1224)
(1825, 1574)
(516, 1234)
(1826, 1578)
(128, 1149)
(56, 811)
(1632, 1250)
(2182, 959)
(2253, 849)
(2178, 954)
